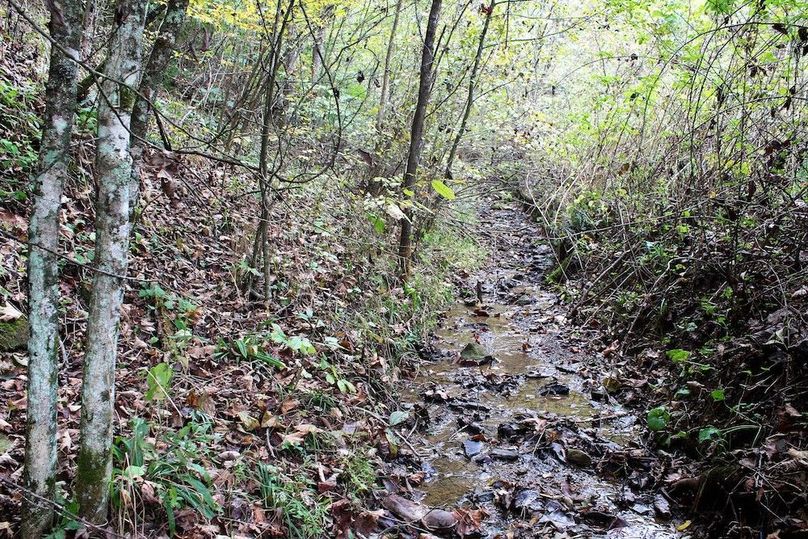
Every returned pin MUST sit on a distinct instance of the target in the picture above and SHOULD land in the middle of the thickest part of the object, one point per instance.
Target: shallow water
(524, 328)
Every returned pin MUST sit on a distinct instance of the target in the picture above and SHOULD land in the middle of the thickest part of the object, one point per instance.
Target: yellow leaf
(247, 421)
(683, 526)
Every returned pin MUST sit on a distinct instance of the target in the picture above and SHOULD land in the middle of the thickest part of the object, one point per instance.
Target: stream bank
(514, 429)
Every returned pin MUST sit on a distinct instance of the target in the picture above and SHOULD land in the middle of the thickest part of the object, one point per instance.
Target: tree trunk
(385, 91)
(318, 49)
(417, 135)
(153, 72)
(113, 171)
(43, 272)
(264, 177)
(470, 96)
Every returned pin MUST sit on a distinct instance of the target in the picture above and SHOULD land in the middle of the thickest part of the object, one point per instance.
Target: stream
(514, 416)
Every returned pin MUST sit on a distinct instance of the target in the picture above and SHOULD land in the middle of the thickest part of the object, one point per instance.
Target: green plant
(335, 378)
(360, 474)
(298, 344)
(176, 473)
(248, 348)
(304, 514)
(658, 418)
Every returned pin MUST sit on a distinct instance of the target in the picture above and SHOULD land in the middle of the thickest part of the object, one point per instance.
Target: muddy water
(540, 464)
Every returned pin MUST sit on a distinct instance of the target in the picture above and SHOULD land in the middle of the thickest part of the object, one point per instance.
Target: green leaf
(678, 355)
(157, 381)
(709, 433)
(241, 345)
(269, 360)
(717, 395)
(443, 190)
(378, 223)
(132, 472)
(658, 418)
(398, 417)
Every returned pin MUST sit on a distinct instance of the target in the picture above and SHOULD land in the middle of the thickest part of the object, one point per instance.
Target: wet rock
(483, 496)
(603, 519)
(527, 500)
(535, 375)
(578, 457)
(525, 300)
(661, 507)
(435, 394)
(555, 515)
(469, 426)
(554, 388)
(504, 454)
(598, 395)
(509, 431)
(405, 509)
(474, 354)
(641, 508)
(472, 448)
(461, 404)
(438, 519)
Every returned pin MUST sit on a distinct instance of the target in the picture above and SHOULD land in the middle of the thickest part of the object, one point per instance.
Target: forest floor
(514, 429)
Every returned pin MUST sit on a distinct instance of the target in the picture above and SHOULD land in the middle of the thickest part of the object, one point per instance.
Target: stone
(527, 500)
(598, 395)
(473, 352)
(554, 388)
(578, 457)
(438, 519)
(472, 448)
(13, 334)
(504, 454)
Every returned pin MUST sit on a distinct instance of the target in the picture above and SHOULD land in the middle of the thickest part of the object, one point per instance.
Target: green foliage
(677, 355)
(158, 382)
(19, 138)
(443, 190)
(250, 348)
(709, 434)
(177, 472)
(360, 474)
(334, 377)
(303, 513)
(658, 418)
(298, 344)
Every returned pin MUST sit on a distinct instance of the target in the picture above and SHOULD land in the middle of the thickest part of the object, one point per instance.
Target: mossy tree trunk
(113, 172)
(417, 135)
(43, 273)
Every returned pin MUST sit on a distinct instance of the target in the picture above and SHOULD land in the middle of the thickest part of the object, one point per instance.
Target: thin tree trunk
(264, 178)
(385, 91)
(43, 272)
(417, 135)
(113, 172)
(374, 186)
(317, 52)
(153, 72)
(475, 69)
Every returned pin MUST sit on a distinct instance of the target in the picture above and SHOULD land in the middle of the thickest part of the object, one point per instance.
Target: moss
(92, 485)
(13, 335)
(127, 98)
(559, 273)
